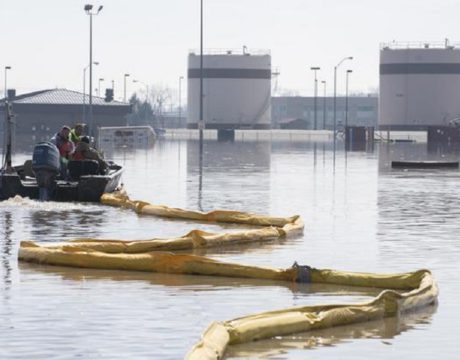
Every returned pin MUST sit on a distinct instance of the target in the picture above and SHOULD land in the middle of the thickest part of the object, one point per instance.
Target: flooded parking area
(359, 214)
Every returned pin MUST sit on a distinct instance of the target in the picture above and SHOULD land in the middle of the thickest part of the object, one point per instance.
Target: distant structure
(419, 85)
(126, 136)
(40, 114)
(236, 90)
(298, 112)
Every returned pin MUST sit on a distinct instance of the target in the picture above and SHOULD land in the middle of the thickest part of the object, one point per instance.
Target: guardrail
(418, 45)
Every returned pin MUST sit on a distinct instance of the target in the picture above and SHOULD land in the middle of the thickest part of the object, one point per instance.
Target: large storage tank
(236, 90)
(419, 86)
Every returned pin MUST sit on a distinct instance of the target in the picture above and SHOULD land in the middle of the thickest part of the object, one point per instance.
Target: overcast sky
(46, 42)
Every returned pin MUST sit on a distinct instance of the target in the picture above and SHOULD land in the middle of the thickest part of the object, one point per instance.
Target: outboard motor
(46, 166)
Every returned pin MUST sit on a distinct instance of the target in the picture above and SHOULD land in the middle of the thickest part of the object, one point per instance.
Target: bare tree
(158, 97)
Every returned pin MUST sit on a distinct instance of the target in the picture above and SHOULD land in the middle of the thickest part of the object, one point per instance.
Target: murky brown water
(359, 216)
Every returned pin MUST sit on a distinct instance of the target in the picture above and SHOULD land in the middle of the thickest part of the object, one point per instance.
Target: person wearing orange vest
(84, 151)
(63, 143)
(65, 146)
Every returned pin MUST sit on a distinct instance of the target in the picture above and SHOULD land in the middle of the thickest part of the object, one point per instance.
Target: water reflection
(385, 330)
(420, 206)
(6, 234)
(220, 167)
(43, 221)
(67, 223)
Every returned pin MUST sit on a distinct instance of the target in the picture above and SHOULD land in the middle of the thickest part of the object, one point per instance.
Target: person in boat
(65, 146)
(84, 151)
(76, 133)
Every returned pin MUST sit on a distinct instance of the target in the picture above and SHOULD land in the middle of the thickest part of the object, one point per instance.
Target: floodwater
(359, 214)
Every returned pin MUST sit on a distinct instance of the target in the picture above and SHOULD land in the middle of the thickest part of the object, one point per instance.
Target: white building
(419, 86)
(236, 90)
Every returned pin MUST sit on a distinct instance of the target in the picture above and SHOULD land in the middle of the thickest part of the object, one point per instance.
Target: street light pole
(84, 90)
(6, 84)
(335, 97)
(180, 98)
(201, 120)
(324, 105)
(346, 101)
(315, 68)
(124, 87)
(99, 87)
(88, 9)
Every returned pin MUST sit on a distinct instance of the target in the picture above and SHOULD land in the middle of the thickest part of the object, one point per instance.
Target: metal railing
(396, 45)
(240, 51)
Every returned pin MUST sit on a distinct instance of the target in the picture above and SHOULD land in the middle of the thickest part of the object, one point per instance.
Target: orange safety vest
(78, 155)
(65, 148)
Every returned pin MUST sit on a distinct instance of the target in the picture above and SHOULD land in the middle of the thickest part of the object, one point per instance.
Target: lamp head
(7, 67)
(88, 7)
(96, 62)
(349, 71)
(126, 75)
(99, 9)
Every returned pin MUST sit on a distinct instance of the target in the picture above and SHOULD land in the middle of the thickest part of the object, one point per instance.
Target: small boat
(42, 178)
(82, 184)
(425, 164)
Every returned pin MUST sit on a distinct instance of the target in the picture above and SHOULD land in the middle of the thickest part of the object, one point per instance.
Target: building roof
(61, 97)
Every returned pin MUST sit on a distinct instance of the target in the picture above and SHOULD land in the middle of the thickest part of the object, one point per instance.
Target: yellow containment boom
(415, 290)
(402, 292)
(421, 291)
(191, 240)
(224, 216)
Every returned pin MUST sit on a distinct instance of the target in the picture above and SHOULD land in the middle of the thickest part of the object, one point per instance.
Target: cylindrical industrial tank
(236, 90)
(419, 86)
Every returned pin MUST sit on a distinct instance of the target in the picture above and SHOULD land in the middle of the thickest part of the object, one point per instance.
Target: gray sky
(46, 41)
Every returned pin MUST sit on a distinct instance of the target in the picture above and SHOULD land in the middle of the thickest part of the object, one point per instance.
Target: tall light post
(6, 83)
(315, 123)
(335, 97)
(88, 9)
(84, 89)
(201, 119)
(180, 98)
(124, 86)
(324, 105)
(201, 123)
(99, 87)
(346, 100)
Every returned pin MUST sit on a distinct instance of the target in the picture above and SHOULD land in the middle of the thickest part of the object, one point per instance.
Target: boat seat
(77, 168)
